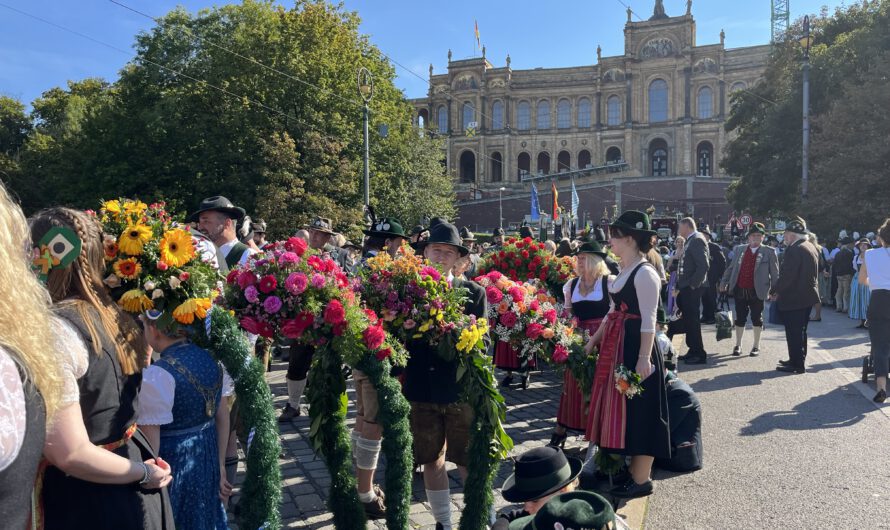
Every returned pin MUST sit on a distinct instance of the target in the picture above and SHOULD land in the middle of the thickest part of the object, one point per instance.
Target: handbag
(775, 317)
(724, 319)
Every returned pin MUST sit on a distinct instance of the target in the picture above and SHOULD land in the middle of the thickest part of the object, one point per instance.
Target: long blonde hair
(25, 331)
(80, 286)
(594, 263)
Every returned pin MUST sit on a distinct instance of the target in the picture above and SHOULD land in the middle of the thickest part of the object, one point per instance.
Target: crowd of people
(119, 422)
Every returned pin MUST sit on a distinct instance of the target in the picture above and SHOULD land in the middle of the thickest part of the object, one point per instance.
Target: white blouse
(595, 295)
(159, 391)
(648, 287)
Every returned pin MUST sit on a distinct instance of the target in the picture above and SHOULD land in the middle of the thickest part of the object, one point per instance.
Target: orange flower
(522, 308)
(503, 307)
(128, 269)
(547, 333)
(623, 385)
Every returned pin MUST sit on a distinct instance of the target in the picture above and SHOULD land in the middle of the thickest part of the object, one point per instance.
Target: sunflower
(177, 248)
(186, 312)
(135, 301)
(128, 269)
(134, 238)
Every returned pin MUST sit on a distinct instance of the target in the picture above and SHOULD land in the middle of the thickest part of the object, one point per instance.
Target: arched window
(497, 116)
(524, 165)
(543, 114)
(563, 161)
(544, 163)
(583, 112)
(658, 155)
(523, 116)
(658, 101)
(468, 116)
(583, 159)
(442, 116)
(423, 119)
(705, 157)
(468, 167)
(613, 111)
(497, 167)
(738, 85)
(563, 114)
(613, 155)
(705, 103)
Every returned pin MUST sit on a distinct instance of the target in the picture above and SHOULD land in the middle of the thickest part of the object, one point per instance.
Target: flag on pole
(536, 209)
(555, 200)
(575, 201)
(478, 42)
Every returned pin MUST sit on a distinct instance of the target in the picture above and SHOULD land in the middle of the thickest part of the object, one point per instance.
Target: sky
(35, 56)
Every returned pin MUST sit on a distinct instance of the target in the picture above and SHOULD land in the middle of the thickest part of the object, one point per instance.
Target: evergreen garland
(397, 440)
(330, 438)
(261, 491)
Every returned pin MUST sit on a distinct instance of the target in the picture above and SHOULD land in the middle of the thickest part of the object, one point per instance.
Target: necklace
(585, 289)
(209, 394)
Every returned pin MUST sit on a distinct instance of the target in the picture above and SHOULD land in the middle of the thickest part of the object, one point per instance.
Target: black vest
(234, 256)
(17, 480)
(589, 309)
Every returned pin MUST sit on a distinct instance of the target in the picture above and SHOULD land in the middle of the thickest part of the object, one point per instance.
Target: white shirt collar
(225, 248)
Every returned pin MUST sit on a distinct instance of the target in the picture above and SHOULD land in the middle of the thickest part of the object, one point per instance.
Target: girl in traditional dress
(30, 376)
(860, 294)
(101, 470)
(636, 426)
(587, 300)
(182, 414)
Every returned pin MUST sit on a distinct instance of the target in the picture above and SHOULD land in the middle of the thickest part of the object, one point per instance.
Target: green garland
(330, 439)
(261, 491)
(489, 442)
(397, 440)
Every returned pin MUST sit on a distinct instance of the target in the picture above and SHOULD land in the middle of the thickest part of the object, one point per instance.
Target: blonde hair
(80, 286)
(25, 331)
(655, 259)
(594, 263)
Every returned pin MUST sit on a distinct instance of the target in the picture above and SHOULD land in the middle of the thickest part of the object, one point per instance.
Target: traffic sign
(746, 220)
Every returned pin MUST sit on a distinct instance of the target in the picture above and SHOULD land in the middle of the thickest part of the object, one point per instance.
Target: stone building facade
(632, 131)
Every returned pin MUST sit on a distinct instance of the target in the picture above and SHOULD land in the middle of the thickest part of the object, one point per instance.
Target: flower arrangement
(627, 382)
(152, 263)
(523, 260)
(581, 364)
(527, 318)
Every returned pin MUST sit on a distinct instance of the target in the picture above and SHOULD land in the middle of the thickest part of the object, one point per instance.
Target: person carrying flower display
(100, 470)
(586, 300)
(320, 233)
(440, 423)
(628, 406)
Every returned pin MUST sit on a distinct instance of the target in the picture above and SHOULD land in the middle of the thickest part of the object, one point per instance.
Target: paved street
(805, 451)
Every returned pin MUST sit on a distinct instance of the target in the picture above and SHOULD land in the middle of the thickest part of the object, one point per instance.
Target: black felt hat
(466, 235)
(796, 225)
(498, 232)
(633, 221)
(576, 509)
(417, 230)
(259, 226)
(386, 228)
(599, 235)
(217, 203)
(436, 221)
(540, 472)
(443, 233)
(757, 228)
(591, 247)
(526, 231)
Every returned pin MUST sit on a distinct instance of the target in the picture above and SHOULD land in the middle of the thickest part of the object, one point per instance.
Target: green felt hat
(386, 228)
(796, 225)
(633, 221)
(577, 509)
(757, 228)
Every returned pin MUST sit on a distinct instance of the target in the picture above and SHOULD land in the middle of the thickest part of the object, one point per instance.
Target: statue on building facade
(658, 13)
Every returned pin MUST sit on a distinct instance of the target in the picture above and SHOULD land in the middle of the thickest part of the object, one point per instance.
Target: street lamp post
(501, 207)
(806, 41)
(366, 90)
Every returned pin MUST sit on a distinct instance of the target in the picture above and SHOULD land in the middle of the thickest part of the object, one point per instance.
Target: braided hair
(80, 285)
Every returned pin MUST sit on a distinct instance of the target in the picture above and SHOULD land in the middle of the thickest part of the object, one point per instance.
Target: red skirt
(507, 358)
(573, 409)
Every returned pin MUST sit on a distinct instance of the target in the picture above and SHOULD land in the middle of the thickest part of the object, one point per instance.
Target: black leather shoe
(507, 381)
(737, 351)
(684, 357)
(632, 490)
(709, 321)
(880, 397)
(790, 369)
(701, 359)
(289, 414)
(754, 352)
(525, 380)
(784, 363)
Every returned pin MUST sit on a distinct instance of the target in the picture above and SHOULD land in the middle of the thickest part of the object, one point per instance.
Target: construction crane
(779, 19)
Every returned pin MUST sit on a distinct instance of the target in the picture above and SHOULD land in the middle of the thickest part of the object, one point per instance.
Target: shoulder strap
(572, 287)
(234, 257)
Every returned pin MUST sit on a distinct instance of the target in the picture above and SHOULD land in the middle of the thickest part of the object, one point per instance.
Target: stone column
(599, 110)
(687, 75)
(722, 99)
(629, 97)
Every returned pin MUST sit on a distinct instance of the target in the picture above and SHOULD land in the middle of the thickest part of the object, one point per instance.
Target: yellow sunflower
(177, 248)
(134, 238)
(128, 269)
(186, 312)
(135, 301)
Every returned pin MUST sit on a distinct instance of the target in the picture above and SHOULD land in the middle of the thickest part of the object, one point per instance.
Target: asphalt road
(784, 451)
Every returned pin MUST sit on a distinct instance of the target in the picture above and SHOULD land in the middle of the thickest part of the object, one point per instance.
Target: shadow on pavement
(836, 344)
(828, 411)
(734, 380)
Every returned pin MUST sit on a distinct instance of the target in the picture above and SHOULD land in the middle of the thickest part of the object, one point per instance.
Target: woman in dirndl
(587, 300)
(636, 427)
(673, 268)
(860, 294)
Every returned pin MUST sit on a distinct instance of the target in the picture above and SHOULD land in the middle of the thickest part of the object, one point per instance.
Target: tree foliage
(765, 153)
(188, 119)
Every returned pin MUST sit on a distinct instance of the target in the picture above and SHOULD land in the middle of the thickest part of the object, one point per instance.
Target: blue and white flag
(536, 209)
(575, 201)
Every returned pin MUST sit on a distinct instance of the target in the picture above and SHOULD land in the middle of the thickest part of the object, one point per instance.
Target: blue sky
(35, 57)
